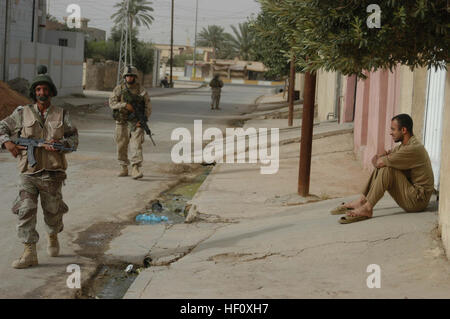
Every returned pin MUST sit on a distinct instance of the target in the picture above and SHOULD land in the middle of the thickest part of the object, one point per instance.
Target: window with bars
(63, 42)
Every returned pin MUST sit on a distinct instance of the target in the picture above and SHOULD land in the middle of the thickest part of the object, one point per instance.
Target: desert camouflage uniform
(216, 88)
(45, 179)
(127, 133)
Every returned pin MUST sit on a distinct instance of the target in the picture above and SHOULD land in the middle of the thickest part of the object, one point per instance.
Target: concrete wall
(418, 101)
(102, 76)
(348, 99)
(325, 94)
(376, 103)
(300, 83)
(21, 19)
(20, 26)
(74, 39)
(65, 65)
(406, 89)
(444, 201)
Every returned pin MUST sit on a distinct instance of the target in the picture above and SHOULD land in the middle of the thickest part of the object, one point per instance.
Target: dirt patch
(236, 123)
(107, 282)
(110, 281)
(10, 100)
(178, 169)
(95, 240)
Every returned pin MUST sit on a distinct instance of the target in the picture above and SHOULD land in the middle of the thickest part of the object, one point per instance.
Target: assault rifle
(31, 144)
(138, 103)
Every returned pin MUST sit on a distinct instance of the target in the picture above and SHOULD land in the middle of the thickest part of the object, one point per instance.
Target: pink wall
(349, 98)
(361, 113)
(376, 101)
(392, 106)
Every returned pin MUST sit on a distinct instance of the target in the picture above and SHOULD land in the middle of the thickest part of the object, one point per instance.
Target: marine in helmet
(216, 85)
(40, 120)
(128, 131)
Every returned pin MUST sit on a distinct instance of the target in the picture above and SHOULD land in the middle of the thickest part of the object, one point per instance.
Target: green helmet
(130, 70)
(41, 78)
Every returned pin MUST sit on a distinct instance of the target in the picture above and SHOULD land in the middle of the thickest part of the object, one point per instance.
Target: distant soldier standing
(129, 131)
(41, 120)
(216, 85)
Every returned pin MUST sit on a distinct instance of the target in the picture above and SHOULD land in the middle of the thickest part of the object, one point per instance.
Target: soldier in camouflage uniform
(40, 120)
(129, 132)
(216, 87)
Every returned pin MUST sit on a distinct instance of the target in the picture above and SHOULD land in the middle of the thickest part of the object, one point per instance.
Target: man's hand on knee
(374, 161)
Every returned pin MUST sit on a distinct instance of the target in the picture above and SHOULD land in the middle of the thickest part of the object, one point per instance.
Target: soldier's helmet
(42, 78)
(130, 70)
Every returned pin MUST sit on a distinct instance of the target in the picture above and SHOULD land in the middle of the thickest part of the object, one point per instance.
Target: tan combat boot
(28, 258)
(124, 171)
(136, 173)
(52, 245)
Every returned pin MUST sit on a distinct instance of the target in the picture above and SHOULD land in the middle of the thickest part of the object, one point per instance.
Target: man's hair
(404, 120)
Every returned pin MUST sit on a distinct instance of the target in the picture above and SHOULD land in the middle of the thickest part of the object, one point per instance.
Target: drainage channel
(171, 207)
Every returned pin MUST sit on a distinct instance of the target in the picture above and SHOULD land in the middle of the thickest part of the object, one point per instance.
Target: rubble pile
(9, 100)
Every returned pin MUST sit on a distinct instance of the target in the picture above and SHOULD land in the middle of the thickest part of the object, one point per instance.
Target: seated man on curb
(405, 172)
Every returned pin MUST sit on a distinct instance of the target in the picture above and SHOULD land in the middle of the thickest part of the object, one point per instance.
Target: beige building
(227, 69)
(165, 50)
(92, 34)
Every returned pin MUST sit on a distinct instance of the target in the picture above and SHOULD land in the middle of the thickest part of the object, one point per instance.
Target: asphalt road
(98, 200)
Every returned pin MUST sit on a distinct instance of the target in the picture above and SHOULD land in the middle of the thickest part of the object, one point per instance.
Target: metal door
(434, 110)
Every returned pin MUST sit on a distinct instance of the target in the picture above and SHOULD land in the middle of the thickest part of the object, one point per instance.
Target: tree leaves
(334, 34)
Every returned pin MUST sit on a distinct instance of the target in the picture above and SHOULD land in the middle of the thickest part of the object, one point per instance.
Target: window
(62, 42)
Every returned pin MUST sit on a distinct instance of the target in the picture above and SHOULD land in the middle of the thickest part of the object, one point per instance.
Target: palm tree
(138, 13)
(242, 41)
(213, 37)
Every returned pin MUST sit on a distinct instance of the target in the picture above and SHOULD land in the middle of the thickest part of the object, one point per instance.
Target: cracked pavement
(273, 250)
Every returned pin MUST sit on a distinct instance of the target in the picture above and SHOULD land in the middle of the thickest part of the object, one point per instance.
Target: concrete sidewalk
(252, 236)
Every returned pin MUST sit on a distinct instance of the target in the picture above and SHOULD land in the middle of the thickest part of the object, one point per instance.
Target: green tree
(243, 41)
(271, 46)
(214, 37)
(334, 36)
(138, 13)
(110, 50)
(144, 57)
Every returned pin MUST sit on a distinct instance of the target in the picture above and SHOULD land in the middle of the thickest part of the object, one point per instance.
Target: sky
(219, 12)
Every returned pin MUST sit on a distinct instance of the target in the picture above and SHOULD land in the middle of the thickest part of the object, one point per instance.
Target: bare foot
(356, 203)
(364, 210)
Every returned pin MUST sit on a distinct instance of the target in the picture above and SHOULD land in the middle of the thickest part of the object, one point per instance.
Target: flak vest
(34, 127)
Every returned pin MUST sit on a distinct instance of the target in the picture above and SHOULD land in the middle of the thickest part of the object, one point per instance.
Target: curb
(231, 81)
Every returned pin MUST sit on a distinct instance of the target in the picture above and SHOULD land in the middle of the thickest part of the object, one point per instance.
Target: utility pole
(194, 74)
(123, 56)
(307, 134)
(171, 49)
(291, 97)
(6, 42)
(130, 26)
